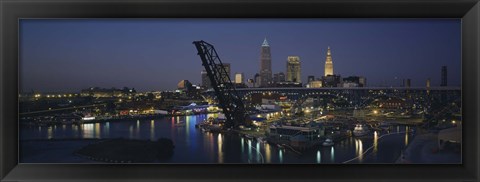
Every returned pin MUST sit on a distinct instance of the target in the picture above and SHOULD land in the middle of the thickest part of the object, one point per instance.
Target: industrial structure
(230, 102)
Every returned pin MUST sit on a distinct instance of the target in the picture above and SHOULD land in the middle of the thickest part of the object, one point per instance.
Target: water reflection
(268, 154)
(220, 148)
(209, 148)
(50, 133)
(107, 129)
(249, 142)
(406, 135)
(152, 130)
(332, 154)
(280, 156)
(319, 157)
(242, 145)
(258, 152)
(97, 130)
(359, 149)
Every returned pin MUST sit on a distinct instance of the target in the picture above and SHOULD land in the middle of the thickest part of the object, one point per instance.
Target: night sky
(155, 54)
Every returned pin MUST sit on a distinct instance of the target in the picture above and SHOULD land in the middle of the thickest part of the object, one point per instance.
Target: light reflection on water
(332, 154)
(220, 148)
(192, 145)
(319, 157)
(268, 154)
(152, 130)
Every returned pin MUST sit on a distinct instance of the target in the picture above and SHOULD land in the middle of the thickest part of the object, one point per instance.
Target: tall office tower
(256, 80)
(281, 77)
(239, 78)
(407, 83)
(293, 69)
(275, 78)
(328, 63)
(265, 64)
(205, 80)
(444, 76)
(278, 77)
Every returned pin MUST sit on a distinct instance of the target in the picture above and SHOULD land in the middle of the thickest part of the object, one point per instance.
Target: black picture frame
(12, 10)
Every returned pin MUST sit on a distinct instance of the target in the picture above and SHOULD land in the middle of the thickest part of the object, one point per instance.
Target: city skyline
(70, 55)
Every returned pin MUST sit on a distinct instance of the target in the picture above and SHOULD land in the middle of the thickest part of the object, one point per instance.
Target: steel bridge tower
(229, 100)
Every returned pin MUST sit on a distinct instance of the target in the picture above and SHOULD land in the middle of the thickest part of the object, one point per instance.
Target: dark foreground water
(194, 146)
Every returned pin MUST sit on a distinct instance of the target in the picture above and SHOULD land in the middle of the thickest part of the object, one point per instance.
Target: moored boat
(360, 130)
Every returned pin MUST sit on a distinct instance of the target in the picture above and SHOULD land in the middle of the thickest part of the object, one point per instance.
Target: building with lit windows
(328, 63)
(239, 78)
(265, 64)
(294, 69)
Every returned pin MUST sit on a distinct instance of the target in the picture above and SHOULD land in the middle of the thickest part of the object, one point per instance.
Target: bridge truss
(228, 98)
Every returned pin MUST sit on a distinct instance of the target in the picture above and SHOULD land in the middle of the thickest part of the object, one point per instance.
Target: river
(194, 146)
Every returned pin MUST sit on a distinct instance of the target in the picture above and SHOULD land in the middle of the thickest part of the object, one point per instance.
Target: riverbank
(424, 150)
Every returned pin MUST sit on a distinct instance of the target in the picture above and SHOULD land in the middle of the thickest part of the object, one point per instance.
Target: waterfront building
(297, 136)
(328, 63)
(294, 69)
(265, 64)
(444, 77)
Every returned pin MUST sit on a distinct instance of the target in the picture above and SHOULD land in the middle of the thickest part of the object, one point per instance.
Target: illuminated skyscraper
(239, 78)
(293, 69)
(265, 64)
(328, 63)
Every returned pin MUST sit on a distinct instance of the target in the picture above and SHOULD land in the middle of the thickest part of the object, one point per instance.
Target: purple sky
(155, 54)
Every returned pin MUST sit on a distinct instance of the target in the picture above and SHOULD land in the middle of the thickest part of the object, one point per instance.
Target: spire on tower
(328, 51)
(265, 43)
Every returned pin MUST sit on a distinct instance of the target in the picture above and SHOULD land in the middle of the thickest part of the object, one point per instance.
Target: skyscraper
(444, 76)
(256, 79)
(265, 64)
(293, 69)
(239, 78)
(205, 80)
(407, 83)
(328, 63)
